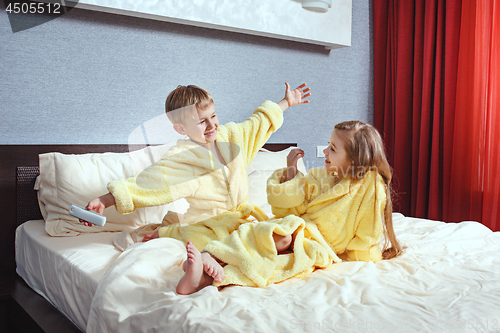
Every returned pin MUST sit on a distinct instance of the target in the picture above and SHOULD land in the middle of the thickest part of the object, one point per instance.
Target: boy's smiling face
(201, 126)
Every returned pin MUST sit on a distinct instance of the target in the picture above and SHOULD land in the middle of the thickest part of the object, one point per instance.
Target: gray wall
(92, 78)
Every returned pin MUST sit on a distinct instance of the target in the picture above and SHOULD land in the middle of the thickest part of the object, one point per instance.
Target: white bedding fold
(64, 270)
(447, 280)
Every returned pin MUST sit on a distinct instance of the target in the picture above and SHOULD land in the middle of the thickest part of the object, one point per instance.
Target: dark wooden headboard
(18, 171)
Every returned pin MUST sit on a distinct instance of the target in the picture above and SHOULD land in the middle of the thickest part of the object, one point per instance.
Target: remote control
(87, 215)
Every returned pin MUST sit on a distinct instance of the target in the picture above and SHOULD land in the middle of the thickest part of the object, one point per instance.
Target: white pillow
(261, 168)
(77, 179)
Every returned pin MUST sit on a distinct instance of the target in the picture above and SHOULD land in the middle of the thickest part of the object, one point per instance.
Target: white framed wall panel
(284, 19)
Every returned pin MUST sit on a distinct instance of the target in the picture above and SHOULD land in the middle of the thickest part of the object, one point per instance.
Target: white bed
(447, 280)
(64, 270)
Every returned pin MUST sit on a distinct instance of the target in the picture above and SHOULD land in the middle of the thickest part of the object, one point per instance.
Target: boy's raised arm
(294, 97)
(254, 132)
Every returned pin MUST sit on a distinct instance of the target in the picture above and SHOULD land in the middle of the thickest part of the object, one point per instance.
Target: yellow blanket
(333, 219)
(214, 228)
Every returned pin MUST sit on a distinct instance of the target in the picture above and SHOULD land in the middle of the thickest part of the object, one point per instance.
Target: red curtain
(439, 135)
(475, 169)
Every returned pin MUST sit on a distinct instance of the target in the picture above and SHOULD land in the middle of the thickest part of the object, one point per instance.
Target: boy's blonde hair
(182, 98)
(365, 148)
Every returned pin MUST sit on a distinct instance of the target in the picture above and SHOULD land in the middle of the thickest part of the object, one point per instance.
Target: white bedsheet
(448, 280)
(64, 270)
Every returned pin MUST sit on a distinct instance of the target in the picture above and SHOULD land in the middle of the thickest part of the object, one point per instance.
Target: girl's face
(336, 159)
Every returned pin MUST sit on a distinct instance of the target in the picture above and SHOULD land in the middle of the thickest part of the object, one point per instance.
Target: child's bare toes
(212, 267)
(194, 278)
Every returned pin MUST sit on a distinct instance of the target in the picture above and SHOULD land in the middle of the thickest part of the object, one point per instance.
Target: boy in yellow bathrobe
(342, 209)
(209, 169)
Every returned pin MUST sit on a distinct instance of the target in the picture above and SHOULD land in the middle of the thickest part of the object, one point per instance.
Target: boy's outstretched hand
(294, 97)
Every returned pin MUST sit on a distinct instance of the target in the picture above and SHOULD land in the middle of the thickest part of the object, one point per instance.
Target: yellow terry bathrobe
(325, 219)
(217, 194)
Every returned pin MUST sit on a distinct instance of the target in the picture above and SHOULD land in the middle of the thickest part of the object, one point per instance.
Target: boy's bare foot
(212, 267)
(150, 236)
(195, 278)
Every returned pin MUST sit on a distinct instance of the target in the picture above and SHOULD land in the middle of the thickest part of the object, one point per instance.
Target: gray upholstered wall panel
(90, 77)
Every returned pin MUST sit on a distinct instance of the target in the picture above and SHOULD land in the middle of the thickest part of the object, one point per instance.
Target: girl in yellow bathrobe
(340, 210)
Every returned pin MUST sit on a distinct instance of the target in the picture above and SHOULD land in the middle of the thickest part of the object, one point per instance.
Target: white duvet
(448, 280)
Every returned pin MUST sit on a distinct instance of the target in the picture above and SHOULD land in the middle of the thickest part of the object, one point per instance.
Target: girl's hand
(151, 235)
(293, 157)
(297, 96)
(291, 162)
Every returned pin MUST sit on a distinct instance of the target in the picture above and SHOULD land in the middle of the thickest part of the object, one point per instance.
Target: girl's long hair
(365, 148)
